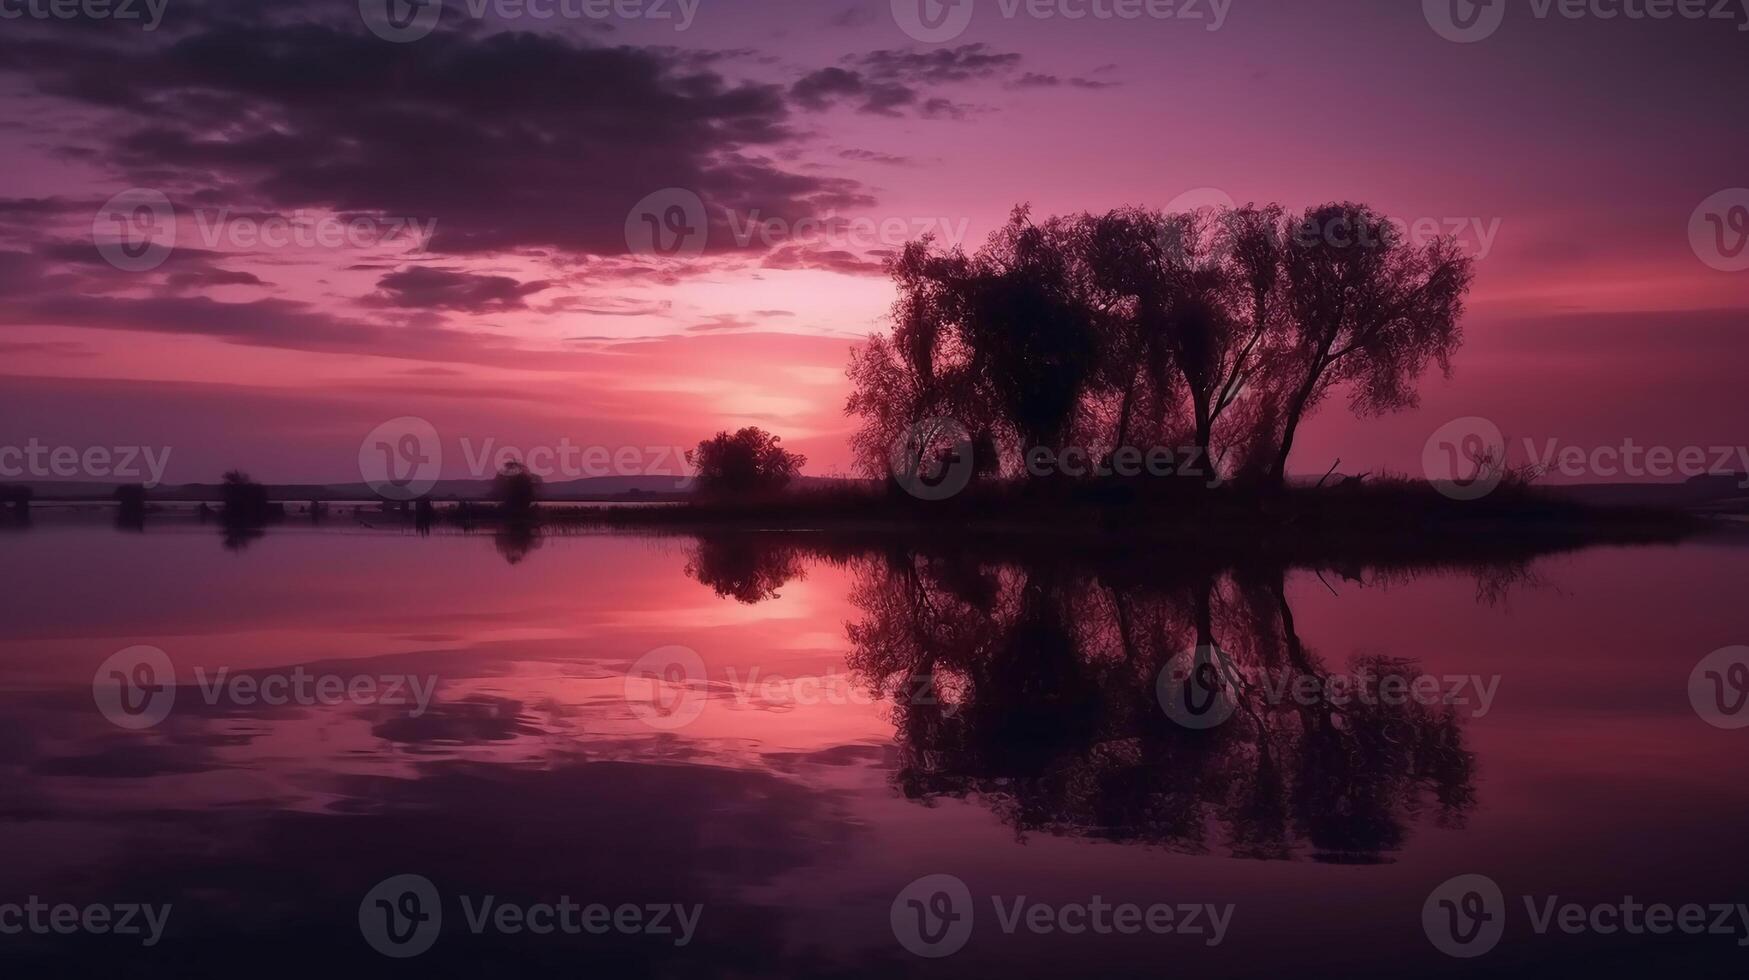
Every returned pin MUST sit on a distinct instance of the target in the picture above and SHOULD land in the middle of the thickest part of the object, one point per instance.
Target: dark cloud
(509, 140)
(817, 90)
(826, 87)
(856, 15)
(51, 348)
(872, 156)
(965, 63)
(946, 109)
(429, 288)
(206, 278)
(795, 256)
(1033, 79)
(721, 321)
(885, 82)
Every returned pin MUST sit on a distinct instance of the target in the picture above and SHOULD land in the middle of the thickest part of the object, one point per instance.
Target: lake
(759, 754)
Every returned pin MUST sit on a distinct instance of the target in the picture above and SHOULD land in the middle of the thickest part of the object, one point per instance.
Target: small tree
(130, 499)
(1365, 309)
(750, 461)
(516, 488)
(244, 501)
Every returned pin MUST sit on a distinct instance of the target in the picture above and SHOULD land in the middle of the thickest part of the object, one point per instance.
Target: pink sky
(1569, 154)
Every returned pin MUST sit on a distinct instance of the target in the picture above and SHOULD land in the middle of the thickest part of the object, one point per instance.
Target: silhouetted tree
(1003, 342)
(243, 502)
(515, 488)
(1365, 309)
(1225, 328)
(130, 511)
(17, 498)
(747, 567)
(922, 371)
(1051, 713)
(515, 539)
(1192, 300)
(1030, 327)
(749, 461)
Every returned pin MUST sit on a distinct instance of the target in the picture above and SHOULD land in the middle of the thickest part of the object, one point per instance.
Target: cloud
(817, 90)
(856, 15)
(546, 142)
(48, 348)
(966, 62)
(794, 256)
(872, 156)
(721, 321)
(425, 287)
(208, 278)
(1033, 79)
(887, 81)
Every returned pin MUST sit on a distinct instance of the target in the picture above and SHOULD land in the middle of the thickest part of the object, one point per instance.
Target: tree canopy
(748, 461)
(1220, 330)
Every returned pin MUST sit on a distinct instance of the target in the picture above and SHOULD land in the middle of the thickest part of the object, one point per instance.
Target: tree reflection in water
(1032, 688)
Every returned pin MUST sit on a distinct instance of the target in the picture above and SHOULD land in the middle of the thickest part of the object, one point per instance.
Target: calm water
(1019, 745)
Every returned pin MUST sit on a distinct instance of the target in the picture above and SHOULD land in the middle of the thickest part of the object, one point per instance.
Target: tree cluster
(1218, 330)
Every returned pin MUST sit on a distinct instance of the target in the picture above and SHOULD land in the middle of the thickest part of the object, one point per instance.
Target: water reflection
(1021, 702)
(1035, 687)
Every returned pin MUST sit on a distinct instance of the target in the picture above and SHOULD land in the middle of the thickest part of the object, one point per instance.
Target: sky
(254, 235)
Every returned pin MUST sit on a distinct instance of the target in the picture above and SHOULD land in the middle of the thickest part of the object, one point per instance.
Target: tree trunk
(1123, 417)
(1297, 408)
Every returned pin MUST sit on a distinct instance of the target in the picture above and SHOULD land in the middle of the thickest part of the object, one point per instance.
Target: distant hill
(592, 488)
(597, 488)
(1711, 493)
(1723, 492)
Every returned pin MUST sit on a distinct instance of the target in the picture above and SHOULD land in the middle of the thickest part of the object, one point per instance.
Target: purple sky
(470, 201)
